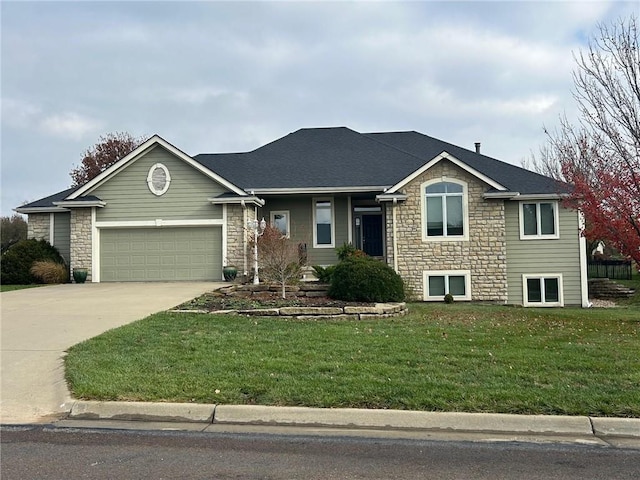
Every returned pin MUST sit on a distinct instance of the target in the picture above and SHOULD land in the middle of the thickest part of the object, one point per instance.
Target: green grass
(10, 288)
(635, 284)
(440, 357)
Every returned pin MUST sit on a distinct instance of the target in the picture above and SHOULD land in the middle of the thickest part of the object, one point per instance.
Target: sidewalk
(355, 418)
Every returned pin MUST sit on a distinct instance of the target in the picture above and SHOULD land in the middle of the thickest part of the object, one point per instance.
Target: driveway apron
(39, 324)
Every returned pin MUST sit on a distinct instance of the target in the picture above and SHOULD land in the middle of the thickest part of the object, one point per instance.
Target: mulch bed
(254, 300)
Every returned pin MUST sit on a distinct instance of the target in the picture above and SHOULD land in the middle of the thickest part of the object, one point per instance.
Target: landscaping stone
(311, 311)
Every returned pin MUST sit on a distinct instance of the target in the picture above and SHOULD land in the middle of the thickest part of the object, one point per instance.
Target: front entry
(369, 231)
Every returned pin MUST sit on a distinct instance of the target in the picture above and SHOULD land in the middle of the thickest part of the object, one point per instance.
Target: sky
(216, 77)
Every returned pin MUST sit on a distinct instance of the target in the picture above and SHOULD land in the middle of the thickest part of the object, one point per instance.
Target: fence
(613, 269)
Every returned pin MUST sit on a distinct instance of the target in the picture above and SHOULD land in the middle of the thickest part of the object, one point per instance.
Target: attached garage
(161, 254)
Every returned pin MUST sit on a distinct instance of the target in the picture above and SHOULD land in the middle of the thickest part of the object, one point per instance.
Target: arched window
(445, 210)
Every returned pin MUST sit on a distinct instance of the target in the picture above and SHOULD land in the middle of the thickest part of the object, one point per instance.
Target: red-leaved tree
(600, 156)
(109, 149)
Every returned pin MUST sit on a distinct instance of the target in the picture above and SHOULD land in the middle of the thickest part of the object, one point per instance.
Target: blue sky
(231, 76)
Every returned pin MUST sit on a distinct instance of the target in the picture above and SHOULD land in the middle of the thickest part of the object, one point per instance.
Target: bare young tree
(279, 257)
(600, 155)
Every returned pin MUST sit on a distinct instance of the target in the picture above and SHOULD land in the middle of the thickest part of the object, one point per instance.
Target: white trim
(39, 210)
(95, 248)
(455, 161)
(159, 222)
(542, 276)
(465, 211)
(541, 196)
(584, 277)
(446, 273)
(167, 179)
(331, 200)
(139, 153)
(395, 233)
(52, 226)
(500, 195)
(287, 215)
(317, 190)
(349, 221)
(81, 203)
(392, 197)
(539, 236)
(252, 200)
(225, 252)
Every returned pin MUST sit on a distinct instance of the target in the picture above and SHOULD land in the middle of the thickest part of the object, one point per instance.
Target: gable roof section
(513, 178)
(46, 204)
(137, 153)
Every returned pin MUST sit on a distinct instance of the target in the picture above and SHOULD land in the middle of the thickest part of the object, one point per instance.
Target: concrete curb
(354, 418)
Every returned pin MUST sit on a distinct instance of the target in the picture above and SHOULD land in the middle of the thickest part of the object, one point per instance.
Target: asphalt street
(46, 452)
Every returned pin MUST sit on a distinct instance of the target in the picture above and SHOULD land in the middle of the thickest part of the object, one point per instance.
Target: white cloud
(69, 124)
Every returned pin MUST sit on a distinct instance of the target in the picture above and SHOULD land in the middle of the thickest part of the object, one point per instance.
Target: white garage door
(160, 254)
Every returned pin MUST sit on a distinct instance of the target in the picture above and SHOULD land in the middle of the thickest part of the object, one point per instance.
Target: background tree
(109, 149)
(280, 259)
(12, 230)
(600, 155)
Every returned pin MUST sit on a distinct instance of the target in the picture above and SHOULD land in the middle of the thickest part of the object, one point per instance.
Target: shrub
(448, 298)
(365, 279)
(17, 261)
(48, 271)
(324, 274)
(348, 250)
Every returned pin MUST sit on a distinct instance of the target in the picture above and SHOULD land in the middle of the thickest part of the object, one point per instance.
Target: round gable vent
(158, 179)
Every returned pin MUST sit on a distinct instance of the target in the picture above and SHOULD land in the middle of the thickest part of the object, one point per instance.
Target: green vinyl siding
(161, 254)
(128, 196)
(301, 223)
(543, 256)
(62, 234)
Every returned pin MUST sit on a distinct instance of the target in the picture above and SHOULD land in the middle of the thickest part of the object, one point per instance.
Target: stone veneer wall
(81, 239)
(238, 253)
(38, 226)
(484, 254)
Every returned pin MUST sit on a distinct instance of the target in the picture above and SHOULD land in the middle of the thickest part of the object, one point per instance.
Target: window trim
(543, 303)
(158, 192)
(287, 215)
(314, 201)
(538, 235)
(465, 210)
(446, 273)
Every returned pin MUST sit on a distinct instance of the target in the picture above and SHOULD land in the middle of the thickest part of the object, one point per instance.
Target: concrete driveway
(39, 324)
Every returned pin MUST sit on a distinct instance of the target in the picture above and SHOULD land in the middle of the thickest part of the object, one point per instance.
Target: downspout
(584, 281)
(393, 228)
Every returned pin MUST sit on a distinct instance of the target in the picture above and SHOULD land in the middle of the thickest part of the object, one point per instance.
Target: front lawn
(10, 288)
(456, 357)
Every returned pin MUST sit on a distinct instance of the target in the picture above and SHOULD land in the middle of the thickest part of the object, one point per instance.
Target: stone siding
(39, 226)
(238, 250)
(81, 239)
(483, 254)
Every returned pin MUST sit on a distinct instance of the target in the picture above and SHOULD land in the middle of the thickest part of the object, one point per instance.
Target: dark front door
(372, 235)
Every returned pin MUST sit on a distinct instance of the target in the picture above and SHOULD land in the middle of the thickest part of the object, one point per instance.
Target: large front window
(444, 210)
(323, 220)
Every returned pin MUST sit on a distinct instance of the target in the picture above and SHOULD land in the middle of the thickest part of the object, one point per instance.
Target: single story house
(447, 219)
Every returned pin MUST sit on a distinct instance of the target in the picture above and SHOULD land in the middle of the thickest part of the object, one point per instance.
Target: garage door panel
(161, 254)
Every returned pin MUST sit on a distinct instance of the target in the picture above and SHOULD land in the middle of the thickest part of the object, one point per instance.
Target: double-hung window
(538, 220)
(323, 223)
(444, 210)
(542, 290)
(438, 283)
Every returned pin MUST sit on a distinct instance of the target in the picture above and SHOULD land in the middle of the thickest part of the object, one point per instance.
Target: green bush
(50, 272)
(348, 250)
(18, 260)
(365, 279)
(448, 298)
(324, 274)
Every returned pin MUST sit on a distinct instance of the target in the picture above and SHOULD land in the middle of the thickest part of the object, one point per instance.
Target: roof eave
(28, 210)
(318, 190)
(249, 200)
(81, 203)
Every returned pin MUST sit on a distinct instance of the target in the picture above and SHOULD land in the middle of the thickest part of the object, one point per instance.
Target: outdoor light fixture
(258, 229)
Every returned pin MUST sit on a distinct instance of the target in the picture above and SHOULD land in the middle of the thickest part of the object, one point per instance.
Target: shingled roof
(342, 158)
